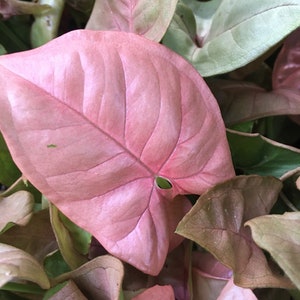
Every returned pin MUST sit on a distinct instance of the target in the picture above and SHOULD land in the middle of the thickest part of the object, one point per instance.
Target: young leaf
(122, 111)
(17, 264)
(255, 154)
(17, 209)
(150, 19)
(216, 222)
(100, 278)
(280, 235)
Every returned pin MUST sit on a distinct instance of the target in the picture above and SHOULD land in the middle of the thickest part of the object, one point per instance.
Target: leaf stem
(287, 202)
(23, 288)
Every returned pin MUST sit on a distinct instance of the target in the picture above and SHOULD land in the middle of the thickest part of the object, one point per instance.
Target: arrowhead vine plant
(149, 149)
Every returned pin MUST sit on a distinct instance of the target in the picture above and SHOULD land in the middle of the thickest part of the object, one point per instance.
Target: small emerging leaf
(280, 235)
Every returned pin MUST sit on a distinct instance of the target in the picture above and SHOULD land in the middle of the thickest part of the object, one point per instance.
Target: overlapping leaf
(16, 208)
(150, 19)
(17, 264)
(216, 222)
(107, 114)
(100, 278)
(280, 235)
(255, 154)
(237, 33)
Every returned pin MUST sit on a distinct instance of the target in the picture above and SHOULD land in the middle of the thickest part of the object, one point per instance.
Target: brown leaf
(36, 238)
(100, 278)
(216, 223)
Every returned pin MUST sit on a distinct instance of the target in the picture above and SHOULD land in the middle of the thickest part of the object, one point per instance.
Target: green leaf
(17, 264)
(280, 235)
(2, 50)
(216, 223)
(69, 241)
(255, 154)
(55, 264)
(9, 171)
(17, 209)
(237, 33)
(180, 36)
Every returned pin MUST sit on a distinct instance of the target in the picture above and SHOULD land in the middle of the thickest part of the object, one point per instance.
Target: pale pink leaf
(148, 18)
(93, 118)
(233, 292)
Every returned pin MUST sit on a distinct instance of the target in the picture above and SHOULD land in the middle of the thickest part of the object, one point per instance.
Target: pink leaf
(93, 118)
(233, 292)
(157, 292)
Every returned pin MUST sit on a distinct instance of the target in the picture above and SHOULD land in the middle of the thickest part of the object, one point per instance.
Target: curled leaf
(45, 27)
(90, 99)
(16, 208)
(65, 240)
(9, 8)
(17, 264)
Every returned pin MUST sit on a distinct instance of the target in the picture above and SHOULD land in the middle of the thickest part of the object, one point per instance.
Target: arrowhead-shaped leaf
(280, 235)
(235, 33)
(148, 18)
(94, 118)
(216, 222)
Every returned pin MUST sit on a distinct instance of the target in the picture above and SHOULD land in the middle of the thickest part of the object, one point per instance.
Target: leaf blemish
(51, 146)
